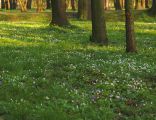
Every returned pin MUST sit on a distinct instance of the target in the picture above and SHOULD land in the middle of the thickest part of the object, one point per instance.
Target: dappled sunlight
(40, 64)
(14, 42)
(33, 33)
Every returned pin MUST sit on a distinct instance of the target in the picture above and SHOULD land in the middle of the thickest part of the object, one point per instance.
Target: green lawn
(55, 73)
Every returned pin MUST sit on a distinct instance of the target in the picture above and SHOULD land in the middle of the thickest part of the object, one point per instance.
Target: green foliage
(54, 73)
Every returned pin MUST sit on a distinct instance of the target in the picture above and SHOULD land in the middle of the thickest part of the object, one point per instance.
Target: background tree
(14, 4)
(39, 4)
(106, 4)
(130, 38)
(139, 4)
(48, 4)
(29, 4)
(3, 4)
(118, 4)
(59, 12)
(99, 33)
(153, 8)
(147, 3)
(84, 9)
(23, 5)
(73, 5)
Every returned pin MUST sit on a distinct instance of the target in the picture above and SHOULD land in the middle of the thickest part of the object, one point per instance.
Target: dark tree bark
(146, 3)
(118, 4)
(138, 4)
(11, 4)
(29, 3)
(14, 4)
(73, 5)
(7, 5)
(84, 9)
(153, 8)
(48, 4)
(2, 4)
(59, 13)
(130, 37)
(99, 33)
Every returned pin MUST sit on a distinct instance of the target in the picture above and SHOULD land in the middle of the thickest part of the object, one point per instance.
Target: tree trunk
(143, 3)
(59, 13)
(48, 4)
(14, 4)
(153, 8)
(2, 4)
(146, 3)
(106, 4)
(130, 38)
(7, 4)
(99, 33)
(138, 4)
(73, 5)
(29, 3)
(39, 4)
(84, 9)
(118, 4)
(23, 5)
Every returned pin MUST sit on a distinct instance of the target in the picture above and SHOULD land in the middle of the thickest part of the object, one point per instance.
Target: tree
(29, 3)
(59, 13)
(3, 4)
(147, 3)
(153, 8)
(130, 38)
(106, 4)
(23, 5)
(118, 4)
(99, 33)
(73, 5)
(143, 3)
(39, 4)
(48, 4)
(14, 4)
(84, 9)
(139, 4)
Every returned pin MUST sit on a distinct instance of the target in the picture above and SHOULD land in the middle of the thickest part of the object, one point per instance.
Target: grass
(111, 16)
(55, 73)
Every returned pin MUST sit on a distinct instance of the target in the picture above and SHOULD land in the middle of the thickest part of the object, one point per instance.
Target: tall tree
(29, 3)
(23, 5)
(139, 4)
(130, 37)
(143, 4)
(118, 4)
(106, 4)
(99, 33)
(153, 8)
(84, 9)
(72, 2)
(3, 4)
(14, 4)
(48, 4)
(59, 12)
(39, 4)
(147, 3)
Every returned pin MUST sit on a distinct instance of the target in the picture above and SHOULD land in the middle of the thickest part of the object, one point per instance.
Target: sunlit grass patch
(50, 72)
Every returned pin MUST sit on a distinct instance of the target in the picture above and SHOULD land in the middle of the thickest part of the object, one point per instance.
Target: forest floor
(111, 16)
(56, 73)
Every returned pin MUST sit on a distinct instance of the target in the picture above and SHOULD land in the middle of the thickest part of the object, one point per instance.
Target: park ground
(56, 73)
